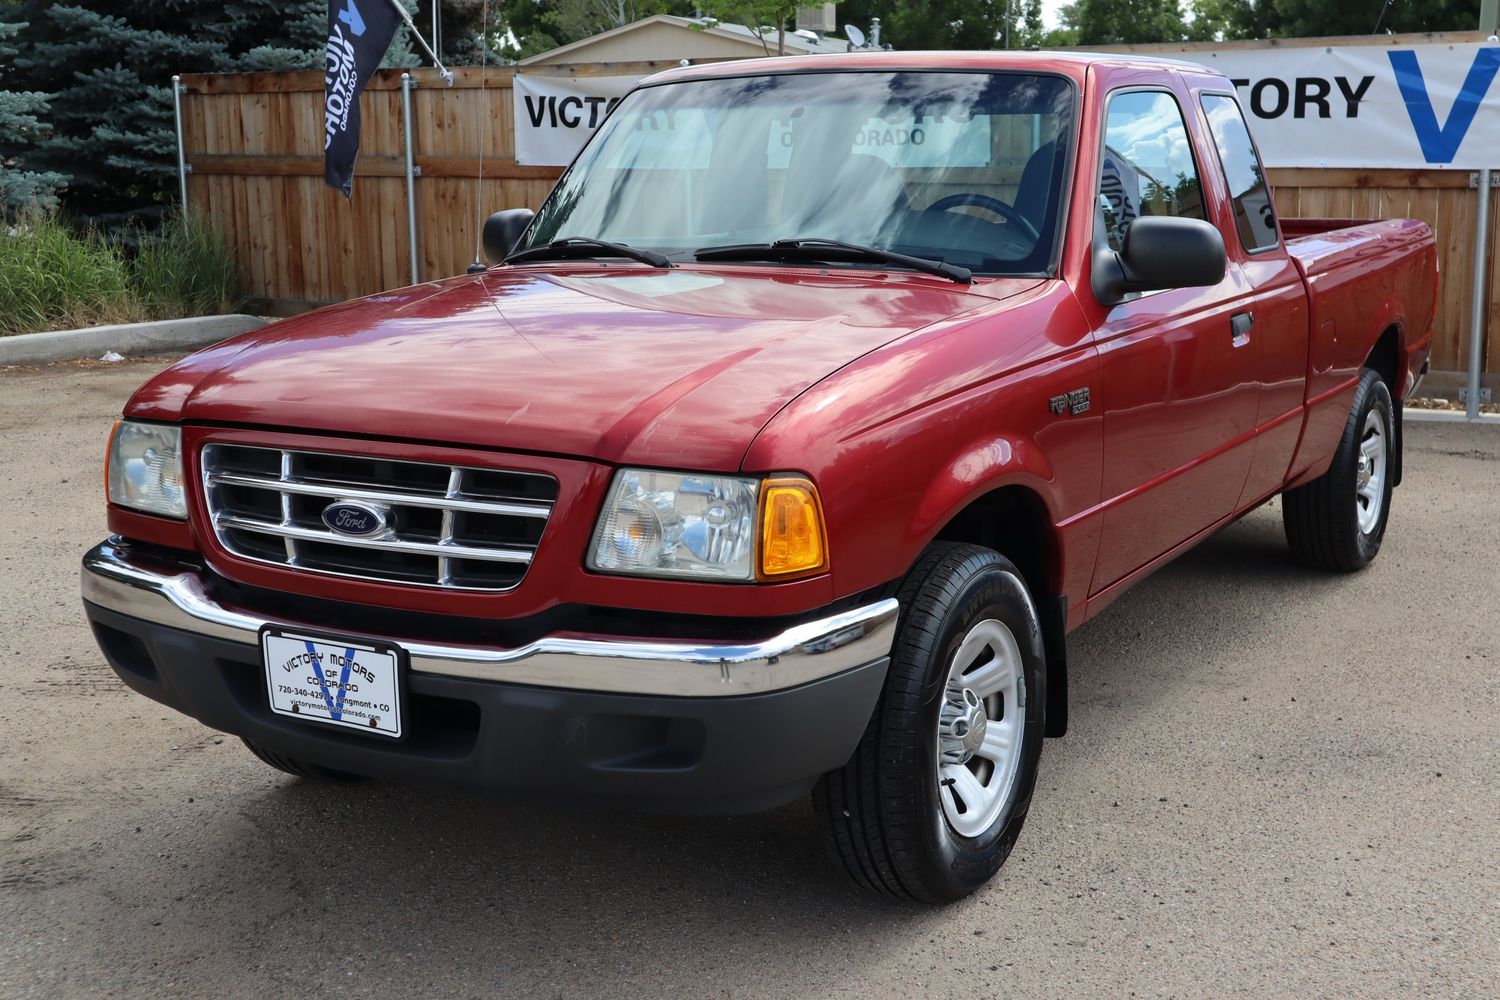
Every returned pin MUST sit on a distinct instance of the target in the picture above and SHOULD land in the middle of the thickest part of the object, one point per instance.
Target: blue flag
(359, 32)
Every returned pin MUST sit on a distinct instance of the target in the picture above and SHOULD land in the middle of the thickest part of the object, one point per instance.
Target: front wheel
(932, 801)
(1337, 521)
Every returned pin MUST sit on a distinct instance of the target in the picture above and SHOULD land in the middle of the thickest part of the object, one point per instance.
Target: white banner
(1370, 106)
(556, 114)
(1417, 106)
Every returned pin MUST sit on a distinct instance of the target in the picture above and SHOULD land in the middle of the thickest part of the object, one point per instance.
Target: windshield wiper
(816, 248)
(584, 246)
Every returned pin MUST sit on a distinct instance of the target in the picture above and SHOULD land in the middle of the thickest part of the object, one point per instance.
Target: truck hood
(675, 367)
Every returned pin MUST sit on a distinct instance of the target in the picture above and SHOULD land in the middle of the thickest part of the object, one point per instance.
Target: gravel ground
(1277, 784)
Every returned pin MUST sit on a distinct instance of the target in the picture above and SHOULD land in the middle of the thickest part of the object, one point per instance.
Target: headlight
(145, 469)
(682, 524)
(677, 524)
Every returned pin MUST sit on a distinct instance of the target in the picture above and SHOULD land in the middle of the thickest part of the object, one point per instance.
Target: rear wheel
(300, 768)
(1337, 521)
(934, 797)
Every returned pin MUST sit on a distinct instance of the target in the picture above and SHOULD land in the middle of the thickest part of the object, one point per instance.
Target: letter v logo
(1440, 142)
(350, 16)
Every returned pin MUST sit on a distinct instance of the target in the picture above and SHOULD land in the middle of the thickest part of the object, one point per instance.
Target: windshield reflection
(967, 168)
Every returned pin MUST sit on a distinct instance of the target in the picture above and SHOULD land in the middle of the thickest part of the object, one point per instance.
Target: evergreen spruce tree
(21, 125)
(99, 71)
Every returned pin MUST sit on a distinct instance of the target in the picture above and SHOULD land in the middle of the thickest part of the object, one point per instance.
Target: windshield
(966, 168)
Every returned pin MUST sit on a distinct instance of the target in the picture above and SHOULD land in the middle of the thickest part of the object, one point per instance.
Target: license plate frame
(351, 696)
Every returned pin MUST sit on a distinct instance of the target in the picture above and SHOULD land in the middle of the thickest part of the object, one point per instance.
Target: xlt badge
(1076, 402)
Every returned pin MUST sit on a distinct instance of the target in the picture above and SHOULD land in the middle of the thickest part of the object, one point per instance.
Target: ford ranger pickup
(777, 453)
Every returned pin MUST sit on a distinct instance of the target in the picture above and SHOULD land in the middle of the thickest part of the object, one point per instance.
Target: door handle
(1239, 328)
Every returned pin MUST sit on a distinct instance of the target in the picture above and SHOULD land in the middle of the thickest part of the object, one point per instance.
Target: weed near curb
(53, 278)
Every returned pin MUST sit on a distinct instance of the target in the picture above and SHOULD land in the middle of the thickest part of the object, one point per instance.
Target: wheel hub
(1370, 472)
(961, 725)
(981, 728)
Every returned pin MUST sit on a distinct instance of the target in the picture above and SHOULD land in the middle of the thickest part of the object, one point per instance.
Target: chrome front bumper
(813, 650)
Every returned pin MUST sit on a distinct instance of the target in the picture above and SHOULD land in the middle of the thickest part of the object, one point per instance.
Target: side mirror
(1159, 251)
(502, 230)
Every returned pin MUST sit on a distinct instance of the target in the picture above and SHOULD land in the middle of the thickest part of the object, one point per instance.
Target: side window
(1254, 215)
(1148, 166)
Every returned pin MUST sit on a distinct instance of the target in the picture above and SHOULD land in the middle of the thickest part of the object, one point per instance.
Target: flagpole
(406, 16)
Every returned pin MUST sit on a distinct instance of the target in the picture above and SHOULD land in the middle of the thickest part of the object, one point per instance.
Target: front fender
(976, 470)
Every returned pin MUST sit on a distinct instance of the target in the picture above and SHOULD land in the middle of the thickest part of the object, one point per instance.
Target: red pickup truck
(779, 453)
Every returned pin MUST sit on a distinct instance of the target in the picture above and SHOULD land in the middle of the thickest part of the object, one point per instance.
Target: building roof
(687, 38)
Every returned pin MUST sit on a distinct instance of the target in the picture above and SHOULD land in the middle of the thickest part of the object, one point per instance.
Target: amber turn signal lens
(109, 451)
(791, 537)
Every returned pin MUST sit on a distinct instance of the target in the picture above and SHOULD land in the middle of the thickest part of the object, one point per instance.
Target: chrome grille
(451, 526)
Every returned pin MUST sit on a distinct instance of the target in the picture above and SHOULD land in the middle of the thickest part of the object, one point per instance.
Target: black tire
(881, 816)
(1321, 517)
(300, 768)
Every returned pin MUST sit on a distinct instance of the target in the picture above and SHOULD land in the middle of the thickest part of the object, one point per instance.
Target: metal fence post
(1476, 314)
(182, 165)
(411, 173)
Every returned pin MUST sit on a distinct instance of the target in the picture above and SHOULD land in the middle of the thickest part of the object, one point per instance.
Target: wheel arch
(1014, 519)
(1388, 359)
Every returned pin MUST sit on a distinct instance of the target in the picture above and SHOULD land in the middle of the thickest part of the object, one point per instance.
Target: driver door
(1179, 378)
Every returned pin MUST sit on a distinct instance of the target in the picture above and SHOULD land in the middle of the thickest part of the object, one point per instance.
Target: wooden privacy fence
(1440, 198)
(254, 149)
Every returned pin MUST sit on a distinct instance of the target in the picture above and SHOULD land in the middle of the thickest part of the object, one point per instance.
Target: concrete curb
(125, 338)
(1449, 417)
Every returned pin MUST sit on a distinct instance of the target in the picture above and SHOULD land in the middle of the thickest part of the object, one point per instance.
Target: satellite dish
(855, 36)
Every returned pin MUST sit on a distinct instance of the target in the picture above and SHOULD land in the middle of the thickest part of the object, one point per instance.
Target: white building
(666, 37)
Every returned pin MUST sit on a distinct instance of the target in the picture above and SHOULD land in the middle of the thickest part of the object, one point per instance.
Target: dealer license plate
(335, 682)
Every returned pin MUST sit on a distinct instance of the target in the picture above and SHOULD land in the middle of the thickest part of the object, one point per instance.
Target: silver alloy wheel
(981, 728)
(1369, 476)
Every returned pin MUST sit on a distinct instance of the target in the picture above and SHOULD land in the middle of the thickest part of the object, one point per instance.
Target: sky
(1049, 11)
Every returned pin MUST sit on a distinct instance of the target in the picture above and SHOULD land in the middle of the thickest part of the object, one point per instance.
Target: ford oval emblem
(353, 517)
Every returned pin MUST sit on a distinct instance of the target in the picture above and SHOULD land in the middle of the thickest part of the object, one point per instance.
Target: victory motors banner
(1371, 106)
(555, 115)
(1411, 107)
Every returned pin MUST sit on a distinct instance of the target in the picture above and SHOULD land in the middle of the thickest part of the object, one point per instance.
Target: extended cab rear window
(1254, 216)
(964, 167)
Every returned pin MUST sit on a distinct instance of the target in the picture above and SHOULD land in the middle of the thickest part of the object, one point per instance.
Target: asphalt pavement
(1277, 783)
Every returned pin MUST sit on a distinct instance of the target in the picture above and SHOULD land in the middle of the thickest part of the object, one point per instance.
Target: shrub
(52, 278)
(185, 269)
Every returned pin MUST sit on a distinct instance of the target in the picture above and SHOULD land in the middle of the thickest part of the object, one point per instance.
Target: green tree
(95, 75)
(22, 125)
(1125, 22)
(781, 15)
(935, 24)
(1065, 35)
(574, 19)
(1032, 33)
(532, 27)
(1308, 18)
(461, 22)
(1225, 19)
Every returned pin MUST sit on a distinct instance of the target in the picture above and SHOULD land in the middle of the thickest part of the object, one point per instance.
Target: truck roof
(1071, 64)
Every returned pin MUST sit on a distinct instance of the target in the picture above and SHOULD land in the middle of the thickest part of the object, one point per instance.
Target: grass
(52, 278)
(55, 278)
(186, 270)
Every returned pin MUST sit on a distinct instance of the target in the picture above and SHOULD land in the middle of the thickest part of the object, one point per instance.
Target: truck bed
(1363, 277)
